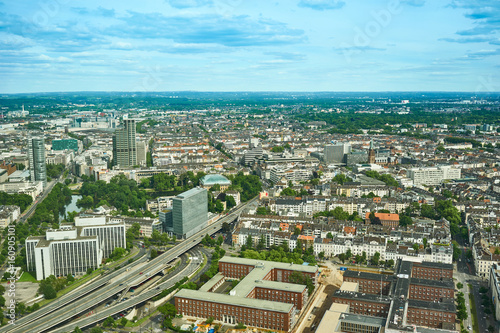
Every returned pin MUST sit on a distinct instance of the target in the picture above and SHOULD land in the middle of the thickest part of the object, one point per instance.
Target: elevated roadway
(63, 312)
(192, 266)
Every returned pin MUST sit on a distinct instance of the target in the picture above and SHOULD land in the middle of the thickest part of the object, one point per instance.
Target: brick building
(263, 298)
(430, 314)
(431, 290)
(371, 283)
(432, 270)
(389, 220)
(363, 304)
(419, 294)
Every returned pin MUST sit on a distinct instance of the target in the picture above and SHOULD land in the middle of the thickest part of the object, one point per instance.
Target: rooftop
(235, 301)
(214, 179)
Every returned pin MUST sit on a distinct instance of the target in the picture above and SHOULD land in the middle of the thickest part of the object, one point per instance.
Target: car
(469, 327)
(140, 273)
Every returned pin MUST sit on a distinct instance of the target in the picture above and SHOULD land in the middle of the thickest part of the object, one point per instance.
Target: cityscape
(229, 166)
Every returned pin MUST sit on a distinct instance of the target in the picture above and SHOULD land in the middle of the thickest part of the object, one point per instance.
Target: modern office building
(142, 150)
(167, 221)
(337, 153)
(190, 212)
(433, 175)
(65, 144)
(61, 252)
(124, 145)
(111, 232)
(36, 155)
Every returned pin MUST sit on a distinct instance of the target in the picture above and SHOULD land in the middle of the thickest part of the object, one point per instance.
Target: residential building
(8, 214)
(433, 175)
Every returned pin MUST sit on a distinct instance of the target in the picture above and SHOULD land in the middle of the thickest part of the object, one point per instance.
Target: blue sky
(243, 45)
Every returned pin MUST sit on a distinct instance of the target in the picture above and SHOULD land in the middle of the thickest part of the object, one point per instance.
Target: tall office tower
(337, 153)
(371, 153)
(36, 155)
(190, 212)
(142, 150)
(124, 145)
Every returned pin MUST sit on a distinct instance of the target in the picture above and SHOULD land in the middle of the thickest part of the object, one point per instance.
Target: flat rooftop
(266, 265)
(352, 295)
(235, 300)
(368, 276)
(190, 193)
(448, 283)
(439, 306)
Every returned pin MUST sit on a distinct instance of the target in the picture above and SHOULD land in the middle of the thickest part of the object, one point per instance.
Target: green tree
(108, 322)
(288, 192)
(154, 253)
(123, 321)
(77, 330)
(96, 330)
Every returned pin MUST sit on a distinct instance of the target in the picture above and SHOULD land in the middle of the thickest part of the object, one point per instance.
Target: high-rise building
(337, 153)
(111, 231)
(62, 252)
(36, 155)
(371, 153)
(190, 212)
(124, 145)
(142, 149)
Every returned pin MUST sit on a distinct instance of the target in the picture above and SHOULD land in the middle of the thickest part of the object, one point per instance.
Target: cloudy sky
(249, 45)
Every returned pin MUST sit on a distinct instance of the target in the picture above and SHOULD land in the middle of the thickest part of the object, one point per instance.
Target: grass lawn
(27, 277)
(141, 321)
(472, 303)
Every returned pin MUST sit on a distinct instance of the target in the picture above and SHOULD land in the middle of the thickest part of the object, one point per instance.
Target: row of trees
(362, 259)
(386, 178)
(21, 200)
(279, 253)
(338, 213)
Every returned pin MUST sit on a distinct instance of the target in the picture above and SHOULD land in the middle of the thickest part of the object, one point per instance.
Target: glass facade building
(124, 145)
(190, 212)
(64, 144)
(36, 156)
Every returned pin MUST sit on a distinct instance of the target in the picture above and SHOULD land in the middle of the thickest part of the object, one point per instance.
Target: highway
(37, 323)
(71, 297)
(189, 269)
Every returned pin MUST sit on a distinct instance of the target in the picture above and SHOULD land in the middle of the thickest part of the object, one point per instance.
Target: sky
(249, 45)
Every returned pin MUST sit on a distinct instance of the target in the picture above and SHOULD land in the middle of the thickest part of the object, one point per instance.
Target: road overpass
(134, 301)
(64, 312)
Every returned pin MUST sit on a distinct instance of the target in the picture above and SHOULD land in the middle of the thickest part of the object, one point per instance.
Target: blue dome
(210, 180)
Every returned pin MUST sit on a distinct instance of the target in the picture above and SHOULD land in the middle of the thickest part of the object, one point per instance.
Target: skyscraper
(190, 212)
(124, 145)
(36, 156)
(337, 153)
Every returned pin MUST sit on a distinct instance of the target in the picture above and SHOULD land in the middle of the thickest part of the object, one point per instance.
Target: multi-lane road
(187, 269)
(65, 309)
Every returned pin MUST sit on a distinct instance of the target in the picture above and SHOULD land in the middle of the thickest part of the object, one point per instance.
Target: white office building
(62, 252)
(433, 175)
(111, 232)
